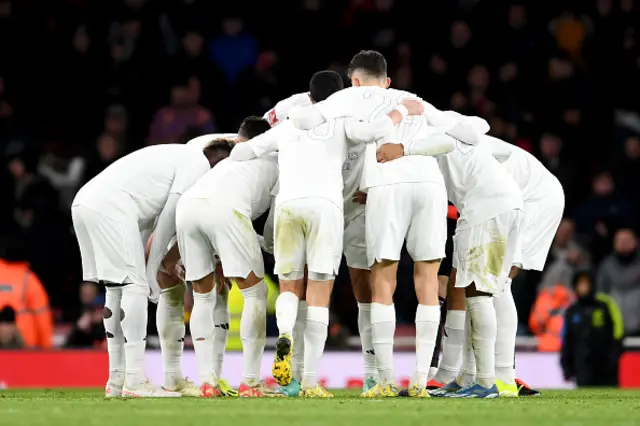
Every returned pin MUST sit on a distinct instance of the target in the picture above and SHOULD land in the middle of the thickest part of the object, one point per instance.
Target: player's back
(369, 103)
(246, 185)
(310, 162)
(476, 183)
(533, 178)
(140, 182)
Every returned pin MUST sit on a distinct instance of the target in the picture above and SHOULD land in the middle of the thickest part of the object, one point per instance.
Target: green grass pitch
(599, 407)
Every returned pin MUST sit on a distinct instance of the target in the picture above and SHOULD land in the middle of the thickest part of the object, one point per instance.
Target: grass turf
(88, 407)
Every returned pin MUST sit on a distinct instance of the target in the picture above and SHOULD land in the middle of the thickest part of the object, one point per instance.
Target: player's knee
(317, 276)
(291, 276)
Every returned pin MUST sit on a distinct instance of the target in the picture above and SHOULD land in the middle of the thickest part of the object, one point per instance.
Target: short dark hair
(218, 149)
(324, 84)
(370, 62)
(253, 126)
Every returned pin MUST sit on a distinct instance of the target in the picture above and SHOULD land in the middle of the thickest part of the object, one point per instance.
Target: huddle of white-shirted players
(332, 157)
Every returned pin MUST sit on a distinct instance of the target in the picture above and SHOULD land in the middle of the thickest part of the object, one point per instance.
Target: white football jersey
(278, 113)
(535, 181)
(246, 184)
(140, 183)
(371, 102)
(475, 182)
(311, 161)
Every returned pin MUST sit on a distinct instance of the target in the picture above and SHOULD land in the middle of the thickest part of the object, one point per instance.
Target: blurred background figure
(10, 337)
(619, 277)
(593, 332)
(23, 294)
(88, 331)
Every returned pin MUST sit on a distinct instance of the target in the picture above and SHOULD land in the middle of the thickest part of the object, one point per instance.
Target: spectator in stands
(9, 334)
(235, 50)
(108, 149)
(171, 121)
(619, 277)
(602, 214)
(565, 258)
(88, 331)
(627, 169)
(21, 290)
(593, 332)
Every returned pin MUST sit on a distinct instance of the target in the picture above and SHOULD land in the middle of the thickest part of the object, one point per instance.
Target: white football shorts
(355, 242)
(540, 223)
(308, 231)
(483, 254)
(416, 212)
(206, 229)
(112, 250)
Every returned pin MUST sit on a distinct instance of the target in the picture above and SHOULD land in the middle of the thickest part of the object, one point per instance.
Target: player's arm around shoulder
(306, 118)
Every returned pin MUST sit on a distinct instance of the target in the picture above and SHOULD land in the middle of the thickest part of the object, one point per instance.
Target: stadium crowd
(84, 82)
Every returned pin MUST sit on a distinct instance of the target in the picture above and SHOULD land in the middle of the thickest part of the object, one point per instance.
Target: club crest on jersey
(272, 117)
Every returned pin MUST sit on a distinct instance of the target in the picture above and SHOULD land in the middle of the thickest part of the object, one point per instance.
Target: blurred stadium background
(84, 82)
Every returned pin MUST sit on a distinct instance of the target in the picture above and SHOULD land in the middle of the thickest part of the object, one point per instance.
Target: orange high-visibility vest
(22, 290)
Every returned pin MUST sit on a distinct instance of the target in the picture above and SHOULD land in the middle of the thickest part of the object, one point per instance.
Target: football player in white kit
(214, 218)
(170, 311)
(485, 241)
(405, 201)
(543, 209)
(113, 216)
(309, 224)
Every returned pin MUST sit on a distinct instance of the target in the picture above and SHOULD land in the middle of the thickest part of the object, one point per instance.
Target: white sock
(221, 318)
(201, 324)
(383, 326)
(315, 337)
(170, 324)
(134, 327)
(484, 329)
(432, 372)
(427, 322)
(451, 347)
(467, 374)
(297, 357)
(253, 331)
(112, 316)
(286, 312)
(507, 321)
(366, 338)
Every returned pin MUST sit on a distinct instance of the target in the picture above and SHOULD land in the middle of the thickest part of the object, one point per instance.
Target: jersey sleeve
(267, 142)
(188, 172)
(361, 132)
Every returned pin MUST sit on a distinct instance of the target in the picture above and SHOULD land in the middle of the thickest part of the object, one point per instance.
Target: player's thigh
(538, 230)
(118, 249)
(324, 236)
(388, 213)
(236, 243)
(355, 242)
(87, 255)
(195, 246)
(447, 261)
(289, 235)
(427, 233)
